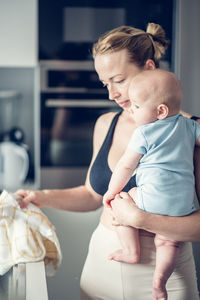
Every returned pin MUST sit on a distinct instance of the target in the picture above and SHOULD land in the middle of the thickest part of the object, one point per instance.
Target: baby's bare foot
(123, 256)
(159, 289)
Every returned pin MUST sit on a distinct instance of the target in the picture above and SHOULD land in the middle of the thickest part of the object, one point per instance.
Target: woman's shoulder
(102, 125)
(104, 121)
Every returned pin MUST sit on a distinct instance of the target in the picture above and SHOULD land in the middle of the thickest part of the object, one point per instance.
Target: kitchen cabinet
(18, 32)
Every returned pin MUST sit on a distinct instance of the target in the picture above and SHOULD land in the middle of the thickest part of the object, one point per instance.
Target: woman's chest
(120, 140)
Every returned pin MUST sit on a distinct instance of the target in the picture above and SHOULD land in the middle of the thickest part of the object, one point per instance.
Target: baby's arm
(122, 173)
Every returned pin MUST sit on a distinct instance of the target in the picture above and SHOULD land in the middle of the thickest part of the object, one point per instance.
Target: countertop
(26, 281)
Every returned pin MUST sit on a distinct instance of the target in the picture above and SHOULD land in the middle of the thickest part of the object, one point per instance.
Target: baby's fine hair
(140, 45)
(161, 86)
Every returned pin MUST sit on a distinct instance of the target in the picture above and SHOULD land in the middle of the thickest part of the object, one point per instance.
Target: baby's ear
(162, 111)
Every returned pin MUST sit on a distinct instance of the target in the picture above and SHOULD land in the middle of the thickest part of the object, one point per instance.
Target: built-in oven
(72, 98)
(68, 28)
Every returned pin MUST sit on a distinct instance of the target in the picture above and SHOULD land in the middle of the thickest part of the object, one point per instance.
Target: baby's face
(143, 108)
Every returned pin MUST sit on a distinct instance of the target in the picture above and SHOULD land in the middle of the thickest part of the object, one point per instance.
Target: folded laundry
(26, 235)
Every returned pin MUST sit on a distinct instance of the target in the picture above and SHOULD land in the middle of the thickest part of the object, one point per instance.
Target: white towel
(26, 235)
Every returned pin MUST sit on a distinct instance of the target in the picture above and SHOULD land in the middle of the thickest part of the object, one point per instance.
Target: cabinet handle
(55, 103)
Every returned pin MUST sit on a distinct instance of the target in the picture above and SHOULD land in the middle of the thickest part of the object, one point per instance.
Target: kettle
(14, 165)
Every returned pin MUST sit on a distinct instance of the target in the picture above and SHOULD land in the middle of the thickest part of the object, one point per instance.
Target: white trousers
(103, 279)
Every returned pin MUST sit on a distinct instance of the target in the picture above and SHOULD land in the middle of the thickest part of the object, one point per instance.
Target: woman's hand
(124, 211)
(35, 197)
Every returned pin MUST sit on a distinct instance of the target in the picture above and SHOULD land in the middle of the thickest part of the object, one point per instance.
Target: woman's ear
(150, 65)
(162, 111)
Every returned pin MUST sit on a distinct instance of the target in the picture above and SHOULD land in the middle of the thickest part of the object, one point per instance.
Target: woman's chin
(125, 105)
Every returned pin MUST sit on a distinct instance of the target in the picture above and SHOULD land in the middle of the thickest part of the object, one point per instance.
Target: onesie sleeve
(138, 142)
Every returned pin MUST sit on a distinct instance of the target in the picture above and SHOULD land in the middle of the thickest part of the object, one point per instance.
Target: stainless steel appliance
(67, 29)
(14, 164)
(14, 158)
(72, 98)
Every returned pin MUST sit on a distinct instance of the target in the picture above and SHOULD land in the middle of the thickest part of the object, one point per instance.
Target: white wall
(187, 67)
(187, 58)
(18, 32)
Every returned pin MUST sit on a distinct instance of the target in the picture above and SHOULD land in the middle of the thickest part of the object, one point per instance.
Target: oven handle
(51, 103)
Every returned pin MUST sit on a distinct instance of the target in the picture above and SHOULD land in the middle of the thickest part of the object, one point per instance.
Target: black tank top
(100, 172)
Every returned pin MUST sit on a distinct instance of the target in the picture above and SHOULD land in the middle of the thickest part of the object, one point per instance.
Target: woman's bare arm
(185, 228)
(78, 199)
(81, 198)
(126, 213)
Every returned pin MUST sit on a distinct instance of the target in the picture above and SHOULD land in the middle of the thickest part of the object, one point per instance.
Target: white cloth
(26, 235)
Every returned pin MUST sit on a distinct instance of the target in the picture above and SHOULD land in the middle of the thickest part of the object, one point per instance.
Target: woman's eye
(120, 81)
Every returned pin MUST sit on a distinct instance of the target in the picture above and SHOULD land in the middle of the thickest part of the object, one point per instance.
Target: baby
(161, 149)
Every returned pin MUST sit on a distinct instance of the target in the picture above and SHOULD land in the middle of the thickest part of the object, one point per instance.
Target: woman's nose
(113, 94)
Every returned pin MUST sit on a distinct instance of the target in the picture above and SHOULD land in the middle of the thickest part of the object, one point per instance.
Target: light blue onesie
(165, 179)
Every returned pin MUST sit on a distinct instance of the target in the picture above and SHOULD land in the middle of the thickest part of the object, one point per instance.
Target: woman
(119, 55)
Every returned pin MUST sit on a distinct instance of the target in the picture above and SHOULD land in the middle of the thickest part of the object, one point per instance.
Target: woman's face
(116, 72)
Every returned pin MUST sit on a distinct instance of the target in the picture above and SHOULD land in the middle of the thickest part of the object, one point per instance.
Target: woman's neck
(127, 117)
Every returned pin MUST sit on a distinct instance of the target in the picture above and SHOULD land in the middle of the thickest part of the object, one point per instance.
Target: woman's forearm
(74, 199)
(126, 213)
(77, 199)
(186, 228)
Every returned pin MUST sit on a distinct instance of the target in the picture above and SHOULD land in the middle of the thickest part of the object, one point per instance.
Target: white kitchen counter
(36, 286)
(26, 281)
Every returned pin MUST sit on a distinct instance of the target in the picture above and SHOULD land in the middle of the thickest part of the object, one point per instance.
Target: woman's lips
(123, 103)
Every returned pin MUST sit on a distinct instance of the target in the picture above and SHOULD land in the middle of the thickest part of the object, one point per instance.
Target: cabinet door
(18, 32)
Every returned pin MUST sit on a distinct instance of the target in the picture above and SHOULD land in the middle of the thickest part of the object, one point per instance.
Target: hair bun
(159, 40)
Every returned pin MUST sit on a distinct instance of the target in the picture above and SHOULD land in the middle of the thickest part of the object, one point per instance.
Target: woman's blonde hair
(140, 45)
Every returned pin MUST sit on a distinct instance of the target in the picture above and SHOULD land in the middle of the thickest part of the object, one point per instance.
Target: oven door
(66, 137)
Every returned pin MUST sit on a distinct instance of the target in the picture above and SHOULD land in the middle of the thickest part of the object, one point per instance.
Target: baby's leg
(130, 252)
(166, 255)
(129, 238)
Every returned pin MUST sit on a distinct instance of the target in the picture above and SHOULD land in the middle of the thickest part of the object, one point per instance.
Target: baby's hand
(107, 198)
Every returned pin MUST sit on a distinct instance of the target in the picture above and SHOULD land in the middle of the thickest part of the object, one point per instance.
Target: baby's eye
(136, 106)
